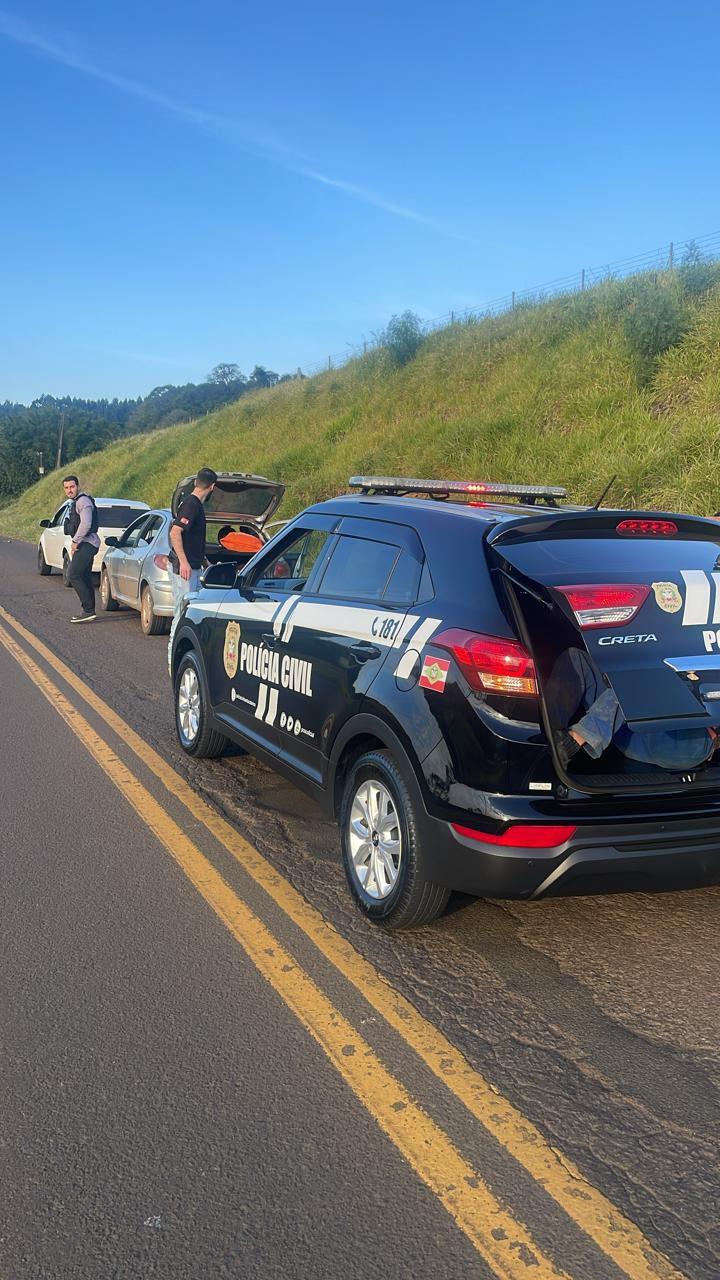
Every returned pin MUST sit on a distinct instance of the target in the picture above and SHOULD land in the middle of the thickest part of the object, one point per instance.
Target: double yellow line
(499, 1238)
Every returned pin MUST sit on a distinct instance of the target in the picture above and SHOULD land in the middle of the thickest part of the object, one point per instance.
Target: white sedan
(114, 515)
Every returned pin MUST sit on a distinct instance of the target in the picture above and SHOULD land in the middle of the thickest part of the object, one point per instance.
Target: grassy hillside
(622, 378)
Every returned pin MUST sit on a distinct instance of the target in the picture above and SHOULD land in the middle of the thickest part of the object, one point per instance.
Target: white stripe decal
(716, 614)
(272, 709)
(697, 599)
(352, 621)
(279, 618)
(262, 699)
(288, 630)
(415, 645)
(406, 663)
(405, 630)
(245, 610)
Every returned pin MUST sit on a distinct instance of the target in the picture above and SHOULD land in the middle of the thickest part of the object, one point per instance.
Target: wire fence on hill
(662, 259)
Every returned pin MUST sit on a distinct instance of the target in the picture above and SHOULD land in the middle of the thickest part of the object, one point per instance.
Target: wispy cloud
(270, 148)
(368, 197)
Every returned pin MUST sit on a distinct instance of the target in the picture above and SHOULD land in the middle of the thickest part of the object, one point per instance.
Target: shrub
(656, 321)
(697, 272)
(403, 337)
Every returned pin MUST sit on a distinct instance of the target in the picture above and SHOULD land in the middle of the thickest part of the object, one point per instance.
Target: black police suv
(399, 653)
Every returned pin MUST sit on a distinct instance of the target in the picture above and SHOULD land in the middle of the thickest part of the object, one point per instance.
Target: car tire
(195, 734)
(107, 599)
(43, 567)
(150, 623)
(66, 570)
(390, 885)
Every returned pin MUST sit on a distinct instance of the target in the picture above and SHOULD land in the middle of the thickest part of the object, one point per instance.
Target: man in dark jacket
(81, 524)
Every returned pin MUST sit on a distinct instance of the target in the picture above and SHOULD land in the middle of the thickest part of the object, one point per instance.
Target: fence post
(513, 299)
(582, 280)
(671, 256)
(452, 317)
(329, 362)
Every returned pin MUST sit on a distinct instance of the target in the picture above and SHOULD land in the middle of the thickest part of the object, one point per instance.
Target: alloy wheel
(374, 839)
(188, 705)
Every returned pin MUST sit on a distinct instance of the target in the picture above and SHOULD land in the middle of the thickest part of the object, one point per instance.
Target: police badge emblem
(231, 652)
(667, 596)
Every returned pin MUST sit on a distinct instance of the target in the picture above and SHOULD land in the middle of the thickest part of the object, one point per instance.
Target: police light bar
(473, 488)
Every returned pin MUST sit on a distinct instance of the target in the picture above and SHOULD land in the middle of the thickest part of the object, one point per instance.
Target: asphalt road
(166, 1115)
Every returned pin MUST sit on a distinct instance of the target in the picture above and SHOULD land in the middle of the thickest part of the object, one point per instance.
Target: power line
(663, 258)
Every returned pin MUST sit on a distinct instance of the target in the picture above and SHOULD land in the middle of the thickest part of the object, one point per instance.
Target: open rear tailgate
(663, 662)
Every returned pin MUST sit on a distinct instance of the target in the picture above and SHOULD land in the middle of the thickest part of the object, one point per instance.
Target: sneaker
(83, 617)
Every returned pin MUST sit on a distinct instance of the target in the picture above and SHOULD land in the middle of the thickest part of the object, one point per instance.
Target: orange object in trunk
(241, 542)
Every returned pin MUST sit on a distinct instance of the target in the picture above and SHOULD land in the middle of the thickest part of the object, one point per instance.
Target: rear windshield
(251, 501)
(612, 555)
(117, 517)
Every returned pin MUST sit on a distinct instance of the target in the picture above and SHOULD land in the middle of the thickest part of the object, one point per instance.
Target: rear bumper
(598, 858)
(163, 602)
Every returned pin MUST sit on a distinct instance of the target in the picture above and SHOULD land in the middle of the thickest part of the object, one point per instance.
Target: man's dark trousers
(81, 575)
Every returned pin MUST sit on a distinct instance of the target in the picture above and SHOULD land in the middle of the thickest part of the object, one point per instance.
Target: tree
(224, 374)
(262, 377)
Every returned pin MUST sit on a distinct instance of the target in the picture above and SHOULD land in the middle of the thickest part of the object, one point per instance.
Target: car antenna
(604, 493)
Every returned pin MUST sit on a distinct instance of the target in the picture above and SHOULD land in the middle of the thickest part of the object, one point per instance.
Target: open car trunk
(241, 503)
(639, 594)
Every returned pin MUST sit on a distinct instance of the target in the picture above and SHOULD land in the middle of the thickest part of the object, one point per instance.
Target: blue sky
(184, 184)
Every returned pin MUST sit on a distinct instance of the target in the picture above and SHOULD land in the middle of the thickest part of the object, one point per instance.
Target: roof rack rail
(401, 486)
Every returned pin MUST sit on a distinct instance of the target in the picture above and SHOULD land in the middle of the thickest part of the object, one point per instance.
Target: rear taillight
(604, 605)
(162, 562)
(489, 664)
(537, 836)
(647, 528)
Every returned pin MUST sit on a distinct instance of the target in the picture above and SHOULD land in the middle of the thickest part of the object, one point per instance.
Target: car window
(60, 514)
(290, 569)
(402, 587)
(131, 536)
(151, 530)
(359, 569)
(118, 517)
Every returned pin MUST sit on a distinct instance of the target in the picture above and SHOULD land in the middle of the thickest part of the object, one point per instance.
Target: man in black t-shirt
(187, 540)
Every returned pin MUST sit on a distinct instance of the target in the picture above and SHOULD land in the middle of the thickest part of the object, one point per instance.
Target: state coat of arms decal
(231, 651)
(667, 596)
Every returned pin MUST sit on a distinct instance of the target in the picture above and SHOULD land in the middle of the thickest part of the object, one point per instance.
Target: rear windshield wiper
(517, 583)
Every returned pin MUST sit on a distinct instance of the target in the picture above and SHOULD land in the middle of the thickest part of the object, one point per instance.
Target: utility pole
(671, 256)
(61, 430)
(582, 280)
(41, 469)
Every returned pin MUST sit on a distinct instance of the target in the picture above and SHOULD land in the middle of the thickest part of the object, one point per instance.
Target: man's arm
(83, 506)
(176, 542)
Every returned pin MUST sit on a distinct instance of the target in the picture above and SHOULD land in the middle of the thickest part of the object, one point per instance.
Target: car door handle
(268, 638)
(364, 652)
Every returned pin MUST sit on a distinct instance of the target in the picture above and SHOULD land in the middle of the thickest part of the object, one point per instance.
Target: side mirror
(111, 542)
(46, 524)
(221, 574)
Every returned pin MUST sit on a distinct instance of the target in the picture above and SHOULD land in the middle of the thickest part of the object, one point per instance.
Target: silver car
(136, 570)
